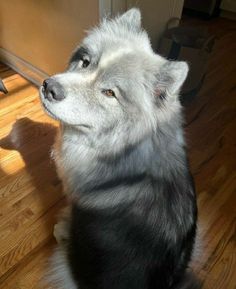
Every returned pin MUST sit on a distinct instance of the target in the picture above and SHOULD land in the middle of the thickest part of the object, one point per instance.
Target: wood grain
(30, 192)
(211, 135)
(31, 196)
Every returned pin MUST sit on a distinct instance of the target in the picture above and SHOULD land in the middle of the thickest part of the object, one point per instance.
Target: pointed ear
(171, 76)
(131, 18)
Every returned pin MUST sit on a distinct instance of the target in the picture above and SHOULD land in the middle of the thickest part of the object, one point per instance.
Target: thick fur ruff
(120, 153)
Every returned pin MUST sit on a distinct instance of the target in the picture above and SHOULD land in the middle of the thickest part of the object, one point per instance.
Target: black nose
(53, 90)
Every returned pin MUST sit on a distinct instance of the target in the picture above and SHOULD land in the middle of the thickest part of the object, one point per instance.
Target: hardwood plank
(30, 192)
(210, 128)
(30, 273)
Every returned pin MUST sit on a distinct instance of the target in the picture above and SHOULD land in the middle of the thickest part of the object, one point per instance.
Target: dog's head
(115, 82)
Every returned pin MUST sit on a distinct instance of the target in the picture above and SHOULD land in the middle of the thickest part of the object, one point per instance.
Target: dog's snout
(53, 90)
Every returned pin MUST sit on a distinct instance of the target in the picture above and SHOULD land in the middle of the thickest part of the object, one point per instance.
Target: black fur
(133, 219)
(143, 245)
(78, 55)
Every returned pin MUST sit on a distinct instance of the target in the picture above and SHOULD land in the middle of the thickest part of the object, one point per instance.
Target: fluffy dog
(120, 153)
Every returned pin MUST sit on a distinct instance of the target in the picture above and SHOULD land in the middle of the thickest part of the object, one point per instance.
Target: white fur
(121, 59)
(112, 57)
(60, 275)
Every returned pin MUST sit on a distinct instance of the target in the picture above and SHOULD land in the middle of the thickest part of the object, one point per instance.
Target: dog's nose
(53, 90)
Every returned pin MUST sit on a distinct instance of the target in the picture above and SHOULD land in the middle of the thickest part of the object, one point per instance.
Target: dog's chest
(72, 159)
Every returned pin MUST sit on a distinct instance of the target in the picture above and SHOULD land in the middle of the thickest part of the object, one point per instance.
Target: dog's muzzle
(52, 90)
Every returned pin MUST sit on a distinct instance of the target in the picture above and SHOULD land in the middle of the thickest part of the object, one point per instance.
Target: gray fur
(103, 138)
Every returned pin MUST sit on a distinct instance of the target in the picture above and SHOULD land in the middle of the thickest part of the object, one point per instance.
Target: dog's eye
(109, 92)
(83, 63)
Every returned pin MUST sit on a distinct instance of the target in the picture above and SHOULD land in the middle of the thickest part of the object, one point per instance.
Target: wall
(44, 32)
(156, 13)
(228, 5)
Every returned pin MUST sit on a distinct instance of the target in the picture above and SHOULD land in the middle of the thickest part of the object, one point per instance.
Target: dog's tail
(190, 281)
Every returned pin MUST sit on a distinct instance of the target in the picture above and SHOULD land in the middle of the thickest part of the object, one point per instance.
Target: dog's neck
(83, 167)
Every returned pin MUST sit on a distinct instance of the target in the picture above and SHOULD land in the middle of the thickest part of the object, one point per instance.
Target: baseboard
(21, 66)
(228, 14)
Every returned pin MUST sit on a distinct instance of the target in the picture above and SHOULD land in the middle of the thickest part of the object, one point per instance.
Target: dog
(120, 153)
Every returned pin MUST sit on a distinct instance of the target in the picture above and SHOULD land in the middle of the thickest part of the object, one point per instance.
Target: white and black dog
(120, 153)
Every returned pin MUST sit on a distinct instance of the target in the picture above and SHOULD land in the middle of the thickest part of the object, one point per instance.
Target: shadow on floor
(33, 140)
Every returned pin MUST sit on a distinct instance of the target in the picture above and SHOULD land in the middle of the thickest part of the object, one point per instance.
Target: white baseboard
(21, 66)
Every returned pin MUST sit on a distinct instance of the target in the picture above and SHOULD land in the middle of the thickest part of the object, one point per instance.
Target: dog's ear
(131, 18)
(171, 77)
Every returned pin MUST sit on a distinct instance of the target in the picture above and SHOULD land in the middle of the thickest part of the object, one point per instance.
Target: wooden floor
(30, 193)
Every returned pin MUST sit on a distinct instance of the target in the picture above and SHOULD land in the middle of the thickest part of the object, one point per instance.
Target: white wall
(156, 14)
(112, 7)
